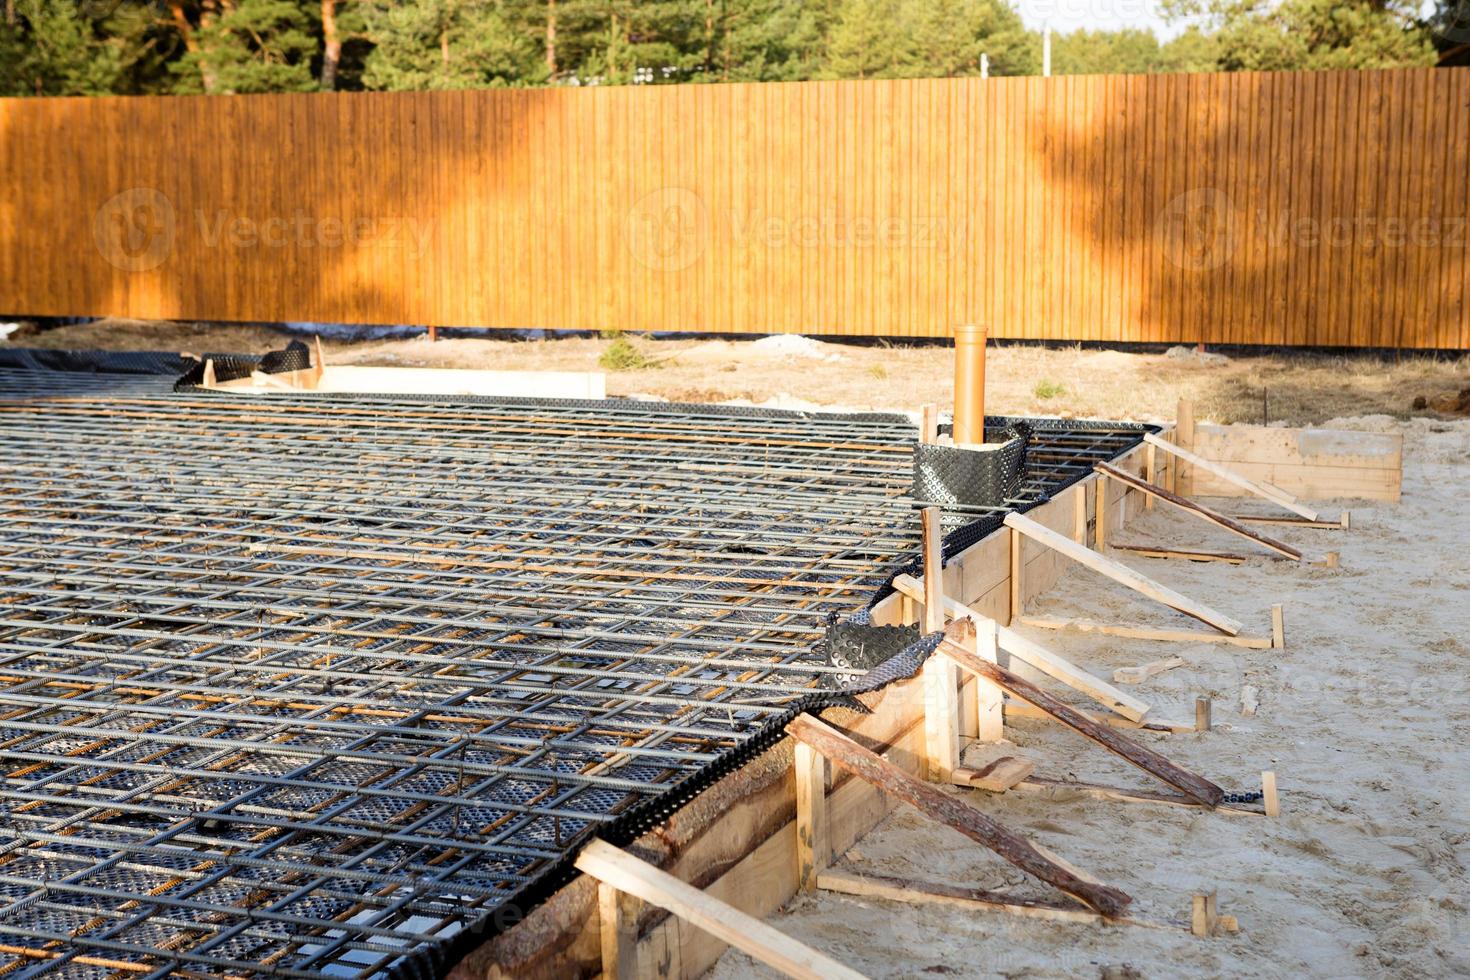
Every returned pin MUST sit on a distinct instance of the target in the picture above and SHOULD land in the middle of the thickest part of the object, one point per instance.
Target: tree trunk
(191, 41)
(551, 37)
(331, 45)
(10, 12)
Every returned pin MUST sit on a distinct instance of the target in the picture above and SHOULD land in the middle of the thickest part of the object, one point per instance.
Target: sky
(1109, 15)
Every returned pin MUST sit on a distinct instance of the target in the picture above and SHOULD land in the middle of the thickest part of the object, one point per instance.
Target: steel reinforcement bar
(301, 685)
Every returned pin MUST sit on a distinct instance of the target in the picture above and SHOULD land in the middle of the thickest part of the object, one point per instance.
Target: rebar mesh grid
(297, 685)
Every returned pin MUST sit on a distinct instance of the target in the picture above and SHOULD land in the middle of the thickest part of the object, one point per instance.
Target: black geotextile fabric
(231, 367)
(96, 361)
(949, 476)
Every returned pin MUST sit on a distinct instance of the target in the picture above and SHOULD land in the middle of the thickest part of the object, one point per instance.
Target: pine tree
(870, 40)
(244, 46)
(58, 47)
(446, 44)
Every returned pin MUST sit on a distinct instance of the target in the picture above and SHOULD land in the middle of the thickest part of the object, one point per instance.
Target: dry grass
(1296, 388)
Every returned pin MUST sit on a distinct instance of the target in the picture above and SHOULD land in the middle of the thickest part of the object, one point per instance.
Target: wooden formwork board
(1313, 464)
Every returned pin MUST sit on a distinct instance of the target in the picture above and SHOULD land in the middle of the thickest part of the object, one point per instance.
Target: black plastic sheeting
(949, 476)
(231, 367)
(96, 361)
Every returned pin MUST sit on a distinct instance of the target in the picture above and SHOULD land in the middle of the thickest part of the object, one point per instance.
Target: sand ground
(1295, 388)
(1365, 718)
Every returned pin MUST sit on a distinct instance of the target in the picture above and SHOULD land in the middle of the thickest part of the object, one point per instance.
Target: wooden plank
(1122, 574)
(1147, 632)
(954, 813)
(1274, 494)
(1199, 510)
(1139, 755)
(1051, 786)
(618, 926)
(1044, 660)
(637, 877)
(1149, 551)
(813, 846)
(995, 777)
(906, 890)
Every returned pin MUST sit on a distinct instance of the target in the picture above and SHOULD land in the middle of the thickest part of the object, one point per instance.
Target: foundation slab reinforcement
(309, 685)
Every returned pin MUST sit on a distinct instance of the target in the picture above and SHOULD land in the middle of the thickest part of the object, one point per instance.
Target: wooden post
(1179, 475)
(1205, 917)
(1017, 566)
(989, 698)
(618, 915)
(1102, 513)
(1269, 797)
(1202, 714)
(433, 333)
(1079, 513)
(969, 384)
(941, 677)
(1151, 463)
(929, 423)
(812, 844)
(1278, 628)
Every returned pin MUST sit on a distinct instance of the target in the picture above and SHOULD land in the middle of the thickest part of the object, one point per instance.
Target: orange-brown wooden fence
(1300, 208)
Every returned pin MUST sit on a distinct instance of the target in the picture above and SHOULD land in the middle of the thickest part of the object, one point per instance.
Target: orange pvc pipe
(969, 384)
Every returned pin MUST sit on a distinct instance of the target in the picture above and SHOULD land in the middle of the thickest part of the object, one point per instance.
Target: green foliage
(1267, 35)
(1047, 389)
(445, 44)
(92, 47)
(621, 355)
(249, 46)
(60, 47)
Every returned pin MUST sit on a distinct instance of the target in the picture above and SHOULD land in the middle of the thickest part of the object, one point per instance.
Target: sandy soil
(787, 371)
(1364, 717)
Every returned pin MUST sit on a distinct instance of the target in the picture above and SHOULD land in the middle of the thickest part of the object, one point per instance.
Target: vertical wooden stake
(1079, 513)
(929, 423)
(812, 844)
(933, 570)
(1278, 628)
(1184, 438)
(1017, 567)
(1151, 461)
(1268, 794)
(941, 676)
(1102, 512)
(1205, 917)
(1201, 714)
(433, 333)
(208, 381)
(989, 698)
(618, 914)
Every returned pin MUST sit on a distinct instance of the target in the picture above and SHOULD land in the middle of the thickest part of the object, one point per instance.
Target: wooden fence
(1302, 208)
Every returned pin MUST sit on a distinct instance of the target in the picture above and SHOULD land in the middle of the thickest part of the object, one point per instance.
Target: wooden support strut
(1192, 785)
(1033, 653)
(954, 813)
(1198, 510)
(1122, 574)
(637, 877)
(1266, 490)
